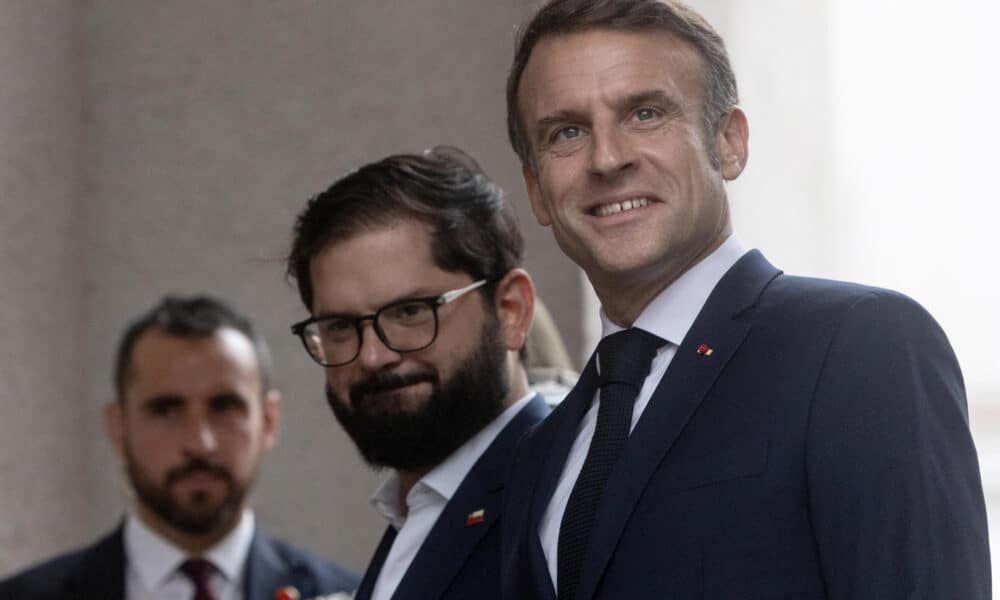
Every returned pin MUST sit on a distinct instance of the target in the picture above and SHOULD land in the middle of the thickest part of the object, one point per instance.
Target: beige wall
(46, 424)
(152, 147)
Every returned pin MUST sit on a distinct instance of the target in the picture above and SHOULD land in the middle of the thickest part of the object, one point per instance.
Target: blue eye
(568, 133)
(645, 114)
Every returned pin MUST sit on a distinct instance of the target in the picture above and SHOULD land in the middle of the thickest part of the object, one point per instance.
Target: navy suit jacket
(457, 560)
(820, 451)
(98, 573)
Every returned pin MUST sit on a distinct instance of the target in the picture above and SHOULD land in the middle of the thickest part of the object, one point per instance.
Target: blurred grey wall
(151, 147)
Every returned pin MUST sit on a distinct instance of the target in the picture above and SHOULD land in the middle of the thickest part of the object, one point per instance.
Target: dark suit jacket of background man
(460, 561)
(98, 573)
(822, 450)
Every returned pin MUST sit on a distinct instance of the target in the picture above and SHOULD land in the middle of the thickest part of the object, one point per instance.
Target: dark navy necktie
(199, 571)
(624, 359)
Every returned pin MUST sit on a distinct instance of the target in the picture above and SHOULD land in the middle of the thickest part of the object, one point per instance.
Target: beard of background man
(192, 515)
(456, 410)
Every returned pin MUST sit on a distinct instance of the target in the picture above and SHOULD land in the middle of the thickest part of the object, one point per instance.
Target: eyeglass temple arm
(447, 297)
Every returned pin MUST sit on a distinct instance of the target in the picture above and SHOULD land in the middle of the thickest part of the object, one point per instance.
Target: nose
(374, 353)
(200, 437)
(611, 153)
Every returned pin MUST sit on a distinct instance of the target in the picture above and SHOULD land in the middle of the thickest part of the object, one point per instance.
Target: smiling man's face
(622, 170)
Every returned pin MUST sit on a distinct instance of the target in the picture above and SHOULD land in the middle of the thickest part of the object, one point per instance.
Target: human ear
(732, 139)
(271, 416)
(515, 307)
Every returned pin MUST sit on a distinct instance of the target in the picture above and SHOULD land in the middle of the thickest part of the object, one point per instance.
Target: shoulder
(52, 577)
(804, 300)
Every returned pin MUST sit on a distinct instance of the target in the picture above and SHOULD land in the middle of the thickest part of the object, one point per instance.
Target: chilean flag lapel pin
(286, 593)
(475, 517)
(704, 350)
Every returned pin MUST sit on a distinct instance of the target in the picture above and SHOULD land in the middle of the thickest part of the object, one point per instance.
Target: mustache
(387, 382)
(197, 465)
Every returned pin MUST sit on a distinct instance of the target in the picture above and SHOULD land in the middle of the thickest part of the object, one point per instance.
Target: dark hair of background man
(194, 317)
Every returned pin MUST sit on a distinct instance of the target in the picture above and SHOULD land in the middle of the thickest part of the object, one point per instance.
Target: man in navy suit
(410, 268)
(788, 437)
(194, 414)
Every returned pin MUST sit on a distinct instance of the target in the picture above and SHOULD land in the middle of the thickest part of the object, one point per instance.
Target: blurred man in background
(194, 414)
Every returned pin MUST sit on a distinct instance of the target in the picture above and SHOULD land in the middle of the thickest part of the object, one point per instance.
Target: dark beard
(196, 517)
(456, 410)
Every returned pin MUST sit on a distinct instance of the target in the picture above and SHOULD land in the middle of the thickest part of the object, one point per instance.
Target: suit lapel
(452, 539)
(375, 566)
(267, 571)
(101, 573)
(687, 380)
(556, 437)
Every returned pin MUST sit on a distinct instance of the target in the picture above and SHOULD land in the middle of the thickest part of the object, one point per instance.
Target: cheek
(339, 381)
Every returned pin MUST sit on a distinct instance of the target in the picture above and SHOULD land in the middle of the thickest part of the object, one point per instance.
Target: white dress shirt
(669, 315)
(152, 562)
(427, 499)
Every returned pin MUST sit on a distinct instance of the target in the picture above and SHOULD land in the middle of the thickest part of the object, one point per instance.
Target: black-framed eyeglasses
(404, 326)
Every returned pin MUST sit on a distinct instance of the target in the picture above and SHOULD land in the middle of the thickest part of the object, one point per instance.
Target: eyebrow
(412, 295)
(659, 97)
(161, 400)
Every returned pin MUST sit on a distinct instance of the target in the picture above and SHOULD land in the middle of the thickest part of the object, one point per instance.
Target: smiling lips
(613, 208)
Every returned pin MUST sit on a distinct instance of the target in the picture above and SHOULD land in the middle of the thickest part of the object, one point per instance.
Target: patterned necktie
(199, 571)
(625, 359)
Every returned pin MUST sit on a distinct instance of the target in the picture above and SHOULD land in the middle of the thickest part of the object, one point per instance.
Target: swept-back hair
(472, 228)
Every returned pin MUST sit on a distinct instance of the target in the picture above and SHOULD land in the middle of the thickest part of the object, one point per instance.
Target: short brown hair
(571, 16)
(473, 229)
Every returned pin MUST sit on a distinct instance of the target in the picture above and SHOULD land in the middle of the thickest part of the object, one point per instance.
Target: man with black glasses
(195, 413)
(410, 270)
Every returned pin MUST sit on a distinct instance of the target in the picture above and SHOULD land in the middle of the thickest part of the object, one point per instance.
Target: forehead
(162, 363)
(604, 64)
(375, 267)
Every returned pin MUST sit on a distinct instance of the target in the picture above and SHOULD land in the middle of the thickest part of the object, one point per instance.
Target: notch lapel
(680, 392)
(452, 540)
(561, 431)
(101, 573)
(375, 566)
(267, 571)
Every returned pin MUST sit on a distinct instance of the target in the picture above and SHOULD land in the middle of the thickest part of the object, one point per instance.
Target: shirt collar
(154, 558)
(444, 479)
(672, 312)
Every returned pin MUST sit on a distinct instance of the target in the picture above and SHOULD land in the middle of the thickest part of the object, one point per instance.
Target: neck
(624, 297)
(194, 544)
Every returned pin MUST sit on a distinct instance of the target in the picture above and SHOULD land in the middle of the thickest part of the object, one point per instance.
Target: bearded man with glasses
(410, 268)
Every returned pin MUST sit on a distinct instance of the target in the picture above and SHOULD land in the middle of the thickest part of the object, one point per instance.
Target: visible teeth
(617, 207)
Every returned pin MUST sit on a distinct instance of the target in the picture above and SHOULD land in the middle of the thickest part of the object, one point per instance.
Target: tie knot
(198, 570)
(626, 356)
